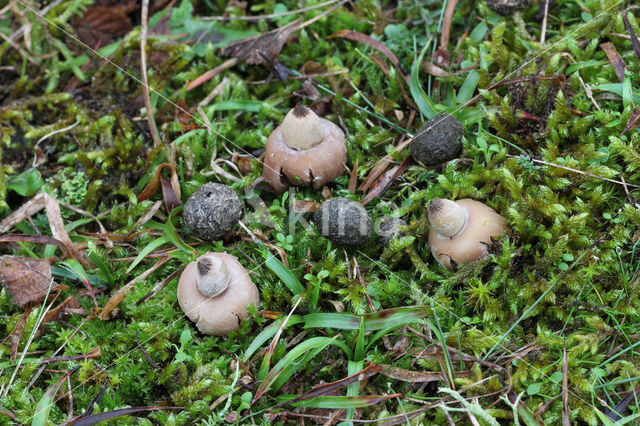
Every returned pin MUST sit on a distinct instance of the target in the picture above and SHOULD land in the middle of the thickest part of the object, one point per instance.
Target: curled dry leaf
(70, 306)
(633, 121)
(615, 59)
(362, 38)
(52, 208)
(254, 49)
(26, 280)
(384, 182)
(170, 192)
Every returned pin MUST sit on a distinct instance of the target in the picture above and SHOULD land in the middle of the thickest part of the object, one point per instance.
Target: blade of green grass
(300, 350)
(468, 87)
(426, 106)
(337, 402)
(372, 322)
(160, 241)
(285, 275)
(41, 416)
(268, 332)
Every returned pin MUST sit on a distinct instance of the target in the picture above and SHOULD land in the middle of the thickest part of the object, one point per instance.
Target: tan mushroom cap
(314, 163)
(220, 314)
(472, 241)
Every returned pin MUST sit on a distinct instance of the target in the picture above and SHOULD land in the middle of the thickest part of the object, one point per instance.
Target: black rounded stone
(212, 211)
(438, 140)
(389, 228)
(344, 222)
(507, 7)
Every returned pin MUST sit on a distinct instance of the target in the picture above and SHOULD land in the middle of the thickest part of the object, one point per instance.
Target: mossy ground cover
(548, 144)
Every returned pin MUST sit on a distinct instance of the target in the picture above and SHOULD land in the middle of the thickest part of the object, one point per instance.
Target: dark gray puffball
(507, 7)
(344, 222)
(438, 140)
(212, 211)
(389, 228)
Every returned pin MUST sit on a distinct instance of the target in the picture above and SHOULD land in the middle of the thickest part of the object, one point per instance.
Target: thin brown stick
(446, 24)
(543, 31)
(143, 70)
(565, 387)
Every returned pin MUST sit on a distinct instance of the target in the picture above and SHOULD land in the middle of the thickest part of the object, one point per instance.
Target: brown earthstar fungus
(462, 231)
(507, 7)
(212, 211)
(304, 150)
(344, 222)
(438, 140)
(214, 292)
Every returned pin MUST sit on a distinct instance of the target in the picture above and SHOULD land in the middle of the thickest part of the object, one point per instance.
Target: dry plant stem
(269, 16)
(120, 294)
(39, 372)
(577, 171)
(43, 12)
(33, 333)
(565, 387)
(143, 70)
(20, 50)
(215, 92)
(229, 63)
(446, 24)
(543, 32)
(146, 355)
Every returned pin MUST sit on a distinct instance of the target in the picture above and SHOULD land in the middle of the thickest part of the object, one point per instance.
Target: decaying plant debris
(543, 329)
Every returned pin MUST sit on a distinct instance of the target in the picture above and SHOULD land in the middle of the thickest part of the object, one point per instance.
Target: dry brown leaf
(255, 49)
(353, 180)
(632, 34)
(171, 193)
(633, 121)
(615, 59)
(385, 181)
(377, 45)
(70, 306)
(52, 208)
(14, 336)
(418, 376)
(26, 280)
(100, 25)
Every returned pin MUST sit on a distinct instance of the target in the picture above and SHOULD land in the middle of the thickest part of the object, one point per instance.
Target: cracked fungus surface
(212, 210)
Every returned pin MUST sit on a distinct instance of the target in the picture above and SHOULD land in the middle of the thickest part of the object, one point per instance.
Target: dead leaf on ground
(634, 38)
(615, 59)
(170, 190)
(26, 280)
(633, 121)
(418, 376)
(384, 182)
(377, 45)
(100, 25)
(14, 336)
(268, 44)
(70, 306)
(52, 208)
